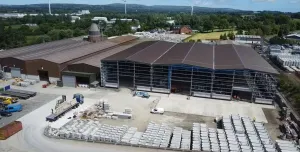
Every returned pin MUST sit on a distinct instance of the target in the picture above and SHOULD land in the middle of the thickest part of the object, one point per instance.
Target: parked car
(157, 111)
(5, 114)
(17, 107)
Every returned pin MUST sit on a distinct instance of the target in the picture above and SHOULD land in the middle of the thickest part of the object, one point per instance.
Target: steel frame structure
(203, 82)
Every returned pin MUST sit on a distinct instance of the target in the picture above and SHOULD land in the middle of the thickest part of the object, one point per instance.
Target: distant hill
(116, 7)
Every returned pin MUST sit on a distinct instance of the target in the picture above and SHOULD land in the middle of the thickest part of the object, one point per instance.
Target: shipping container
(10, 129)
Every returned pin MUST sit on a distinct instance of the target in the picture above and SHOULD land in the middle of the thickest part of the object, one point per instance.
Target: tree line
(52, 27)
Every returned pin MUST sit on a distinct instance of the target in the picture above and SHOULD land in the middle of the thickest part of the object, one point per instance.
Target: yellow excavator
(8, 100)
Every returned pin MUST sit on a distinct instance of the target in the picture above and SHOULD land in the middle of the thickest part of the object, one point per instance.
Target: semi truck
(63, 106)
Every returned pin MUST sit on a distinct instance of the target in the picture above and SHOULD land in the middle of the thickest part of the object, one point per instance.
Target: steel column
(212, 82)
(191, 81)
(118, 74)
(232, 84)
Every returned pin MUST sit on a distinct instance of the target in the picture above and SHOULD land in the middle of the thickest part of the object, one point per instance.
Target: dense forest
(14, 32)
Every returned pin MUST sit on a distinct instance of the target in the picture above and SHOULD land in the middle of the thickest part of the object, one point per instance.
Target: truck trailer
(62, 107)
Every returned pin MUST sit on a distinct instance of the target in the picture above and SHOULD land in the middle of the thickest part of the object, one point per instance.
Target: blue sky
(256, 5)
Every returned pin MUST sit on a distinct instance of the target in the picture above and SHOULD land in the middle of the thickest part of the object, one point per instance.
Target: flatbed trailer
(16, 94)
(31, 93)
(62, 109)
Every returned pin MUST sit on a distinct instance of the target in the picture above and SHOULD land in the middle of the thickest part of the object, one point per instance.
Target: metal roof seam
(142, 50)
(238, 56)
(188, 52)
(164, 53)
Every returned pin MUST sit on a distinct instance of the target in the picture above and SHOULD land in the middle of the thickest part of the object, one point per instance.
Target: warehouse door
(44, 76)
(69, 81)
(15, 72)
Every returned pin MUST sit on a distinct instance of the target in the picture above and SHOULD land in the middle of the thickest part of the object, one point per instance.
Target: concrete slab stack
(128, 135)
(230, 131)
(186, 140)
(156, 135)
(213, 138)
(176, 138)
(136, 138)
(204, 136)
(264, 137)
(196, 143)
(91, 130)
(223, 142)
(166, 132)
(286, 146)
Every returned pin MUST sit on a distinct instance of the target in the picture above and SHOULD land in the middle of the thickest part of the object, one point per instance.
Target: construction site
(155, 95)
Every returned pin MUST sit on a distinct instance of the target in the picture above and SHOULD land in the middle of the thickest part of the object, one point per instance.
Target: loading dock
(72, 79)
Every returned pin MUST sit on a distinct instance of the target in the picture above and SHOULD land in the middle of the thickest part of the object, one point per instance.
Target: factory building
(213, 71)
(66, 60)
(248, 39)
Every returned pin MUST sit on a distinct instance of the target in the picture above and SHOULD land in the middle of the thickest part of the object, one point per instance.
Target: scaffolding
(189, 80)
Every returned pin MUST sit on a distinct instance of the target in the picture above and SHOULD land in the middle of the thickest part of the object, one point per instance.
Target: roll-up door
(69, 81)
(15, 72)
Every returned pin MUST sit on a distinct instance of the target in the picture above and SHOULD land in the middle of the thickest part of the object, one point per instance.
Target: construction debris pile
(103, 110)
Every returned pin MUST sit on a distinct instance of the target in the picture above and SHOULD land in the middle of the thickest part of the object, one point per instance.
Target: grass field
(31, 39)
(207, 36)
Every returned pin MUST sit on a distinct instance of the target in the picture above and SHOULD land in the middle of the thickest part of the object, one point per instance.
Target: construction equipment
(8, 100)
(141, 94)
(62, 107)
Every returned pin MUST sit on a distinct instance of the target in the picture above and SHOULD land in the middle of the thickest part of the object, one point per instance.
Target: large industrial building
(71, 60)
(213, 71)
(222, 71)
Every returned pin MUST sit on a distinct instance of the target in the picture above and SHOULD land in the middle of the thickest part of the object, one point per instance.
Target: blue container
(6, 87)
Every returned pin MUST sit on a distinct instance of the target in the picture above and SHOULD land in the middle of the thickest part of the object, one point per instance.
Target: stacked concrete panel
(264, 137)
(196, 143)
(176, 138)
(92, 131)
(128, 135)
(230, 132)
(204, 136)
(286, 146)
(136, 138)
(156, 135)
(186, 140)
(223, 142)
(213, 138)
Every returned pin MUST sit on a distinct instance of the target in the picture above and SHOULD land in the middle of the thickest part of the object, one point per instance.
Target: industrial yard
(118, 101)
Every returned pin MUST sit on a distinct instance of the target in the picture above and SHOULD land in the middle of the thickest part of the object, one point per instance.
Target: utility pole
(125, 6)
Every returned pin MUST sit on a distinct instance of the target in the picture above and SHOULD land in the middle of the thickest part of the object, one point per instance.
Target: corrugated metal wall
(33, 66)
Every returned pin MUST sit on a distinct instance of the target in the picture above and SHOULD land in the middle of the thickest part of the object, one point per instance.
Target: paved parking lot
(28, 105)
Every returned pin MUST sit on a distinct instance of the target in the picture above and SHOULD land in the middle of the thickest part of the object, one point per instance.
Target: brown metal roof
(152, 53)
(85, 50)
(95, 60)
(225, 57)
(176, 54)
(38, 47)
(39, 54)
(122, 39)
(201, 55)
(252, 60)
(130, 51)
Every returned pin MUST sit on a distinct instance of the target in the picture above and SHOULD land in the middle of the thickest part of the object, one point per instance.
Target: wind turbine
(49, 7)
(125, 6)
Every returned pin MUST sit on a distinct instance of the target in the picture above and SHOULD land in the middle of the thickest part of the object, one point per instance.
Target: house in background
(182, 29)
